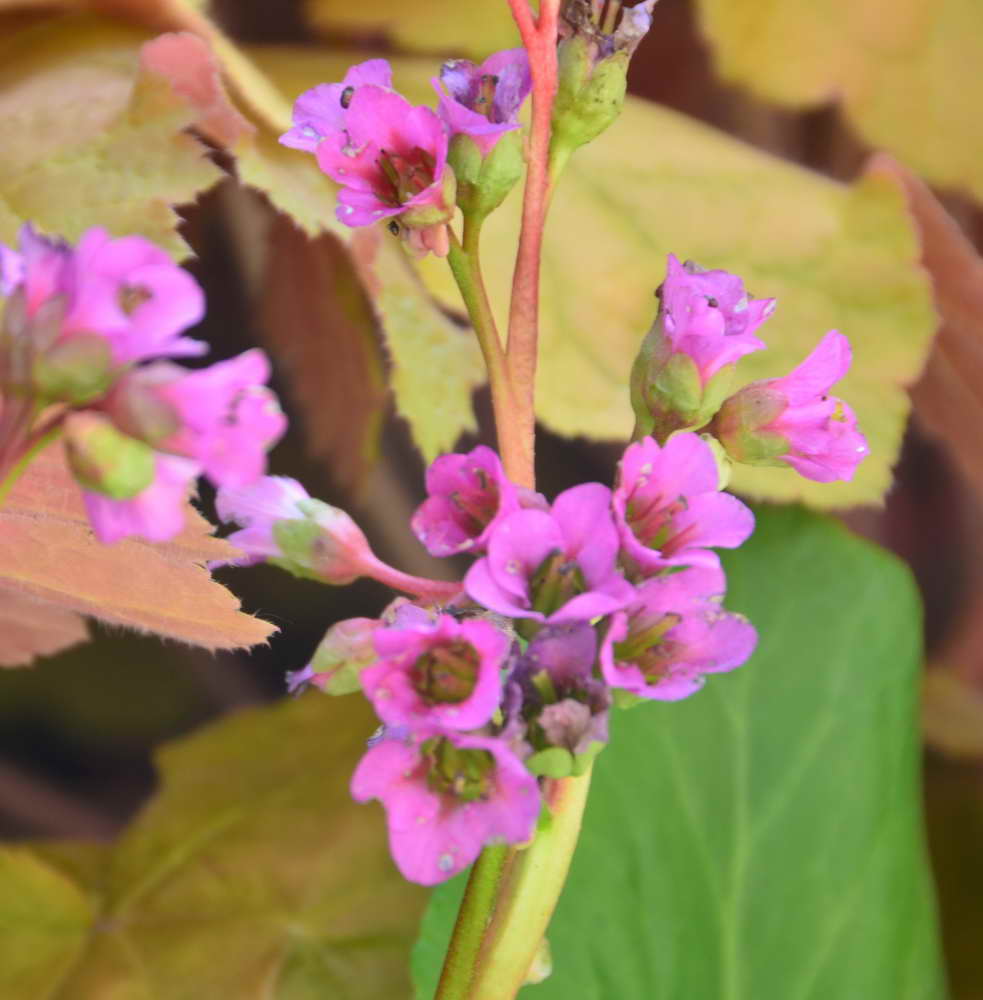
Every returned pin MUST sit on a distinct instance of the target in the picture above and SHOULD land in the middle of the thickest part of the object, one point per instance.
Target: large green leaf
(907, 74)
(252, 874)
(762, 840)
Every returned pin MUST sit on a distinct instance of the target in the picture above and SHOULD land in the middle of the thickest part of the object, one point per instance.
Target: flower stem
(417, 586)
(540, 39)
(508, 903)
(465, 264)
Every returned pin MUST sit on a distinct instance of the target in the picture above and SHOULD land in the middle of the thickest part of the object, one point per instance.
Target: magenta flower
(320, 112)
(557, 566)
(468, 495)
(390, 160)
(483, 101)
(156, 513)
(223, 416)
(668, 507)
(661, 646)
(794, 420)
(708, 315)
(126, 290)
(446, 675)
(283, 524)
(446, 796)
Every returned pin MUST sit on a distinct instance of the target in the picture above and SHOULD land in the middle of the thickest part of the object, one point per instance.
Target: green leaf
(252, 874)
(763, 838)
(90, 141)
(906, 75)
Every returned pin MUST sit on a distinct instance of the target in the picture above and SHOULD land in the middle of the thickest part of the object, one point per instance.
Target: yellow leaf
(88, 141)
(836, 257)
(474, 29)
(436, 362)
(907, 72)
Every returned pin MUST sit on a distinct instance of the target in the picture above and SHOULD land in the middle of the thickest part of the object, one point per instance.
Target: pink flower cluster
(684, 371)
(390, 157)
(601, 595)
(86, 340)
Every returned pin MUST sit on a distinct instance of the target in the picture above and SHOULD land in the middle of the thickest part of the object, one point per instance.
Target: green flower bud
(105, 460)
(77, 371)
(484, 182)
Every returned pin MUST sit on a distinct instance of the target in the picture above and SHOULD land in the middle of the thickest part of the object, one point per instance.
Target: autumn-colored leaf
(949, 396)
(315, 318)
(88, 140)
(907, 75)
(474, 29)
(436, 363)
(48, 554)
(251, 875)
(30, 628)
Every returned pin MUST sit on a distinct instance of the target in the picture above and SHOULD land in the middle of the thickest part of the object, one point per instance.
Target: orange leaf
(30, 628)
(48, 554)
(949, 396)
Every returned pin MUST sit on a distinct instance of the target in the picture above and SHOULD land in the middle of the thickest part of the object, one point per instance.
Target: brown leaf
(317, 321)
(30, 628)
(49, 554)
(949, 396)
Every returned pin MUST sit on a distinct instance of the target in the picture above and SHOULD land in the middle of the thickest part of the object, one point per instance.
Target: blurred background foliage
(748, 147)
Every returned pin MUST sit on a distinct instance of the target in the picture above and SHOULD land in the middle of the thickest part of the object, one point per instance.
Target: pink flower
(708, 315)
(126, 290)
(446, 796)
(390, 159)
(156, 513)
(484, 100)
(668, 507)
(794, 420)
(557, 566)
(320, 112)
(283, 524)
(222, 416)
(446, 674)
(468, 495)
(661, 646)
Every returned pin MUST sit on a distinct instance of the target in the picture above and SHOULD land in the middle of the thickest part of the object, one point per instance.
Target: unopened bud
(344, 652)
(485, 180)
(77, 371)
(741, 424)
(323, 544)
(106, 461)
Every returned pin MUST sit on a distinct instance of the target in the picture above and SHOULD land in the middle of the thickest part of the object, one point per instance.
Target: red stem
(539, 38)
(417, 586)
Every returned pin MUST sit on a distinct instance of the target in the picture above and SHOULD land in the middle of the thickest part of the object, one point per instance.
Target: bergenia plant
(494, 690)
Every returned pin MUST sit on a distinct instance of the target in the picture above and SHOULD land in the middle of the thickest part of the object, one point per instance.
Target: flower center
(404, 176)
(651, 522)
(646, 643)
(479, 505)
(131, 297)
(556, 581)
(446, 674)
(464, 774)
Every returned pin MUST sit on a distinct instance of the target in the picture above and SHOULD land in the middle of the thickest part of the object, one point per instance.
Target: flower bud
(593, 65)
(106, 461)
(344, 652)
(484, 181)
(685, 366)
(77, 371)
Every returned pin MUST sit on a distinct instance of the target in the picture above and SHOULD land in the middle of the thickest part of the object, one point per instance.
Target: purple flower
(222, 416)
(283, 524)
(320, 112)
(390, 160)
(468, 495)
(794, 420)
(557, 566)
(156, 513)
(669, 509)
(563, 704)
(447, 674)
(662, 645)
(708, 315)
(483, 101)
(446, 796)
